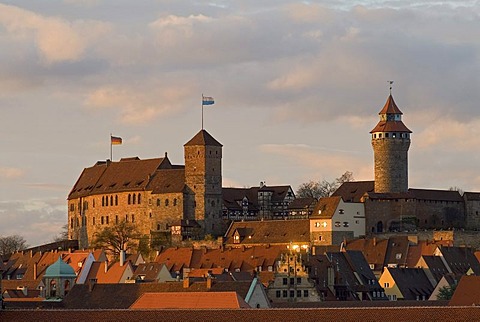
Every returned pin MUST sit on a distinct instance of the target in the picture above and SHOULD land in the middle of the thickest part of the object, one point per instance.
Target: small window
(158, 202)
(284, 293)
(133, 218)
(346, 224)
(166, 202)
(139, 198)
(305, 293)
(101, 221)
(292, 293)
(337, 224)
(299, 293)
(175, 201)
(278, 293)
(285, 281)
(341, 211)
(93, 221)
(398, 255)
(386, 285)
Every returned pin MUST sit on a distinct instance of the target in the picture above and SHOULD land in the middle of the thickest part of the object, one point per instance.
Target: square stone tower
(203, 177)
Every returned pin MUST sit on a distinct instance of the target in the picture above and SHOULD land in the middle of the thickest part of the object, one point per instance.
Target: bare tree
(322, 188)
(13, 243)
(118, 237)
(63, 235)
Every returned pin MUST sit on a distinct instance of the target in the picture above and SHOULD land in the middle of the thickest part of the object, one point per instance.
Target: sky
(297, 86)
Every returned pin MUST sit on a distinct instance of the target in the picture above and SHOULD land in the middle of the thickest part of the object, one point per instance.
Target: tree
(63, 235)
(322, 188)
(118, 237)
(446, 292)
(11, 244)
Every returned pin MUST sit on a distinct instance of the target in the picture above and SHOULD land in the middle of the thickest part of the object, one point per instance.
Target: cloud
(38, 221)
(56, 39)
(139, 105)
(11, 173)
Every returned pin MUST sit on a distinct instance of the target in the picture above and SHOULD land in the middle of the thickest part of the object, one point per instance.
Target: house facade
(334, 220)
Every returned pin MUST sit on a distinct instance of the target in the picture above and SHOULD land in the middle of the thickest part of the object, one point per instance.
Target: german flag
(115, 140)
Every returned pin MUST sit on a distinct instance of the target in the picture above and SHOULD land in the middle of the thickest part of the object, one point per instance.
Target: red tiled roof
(390, 107)
(390, 126)
(371, 314)
(124, 175)
(190, 300)
(203, 138)
(467, 292)
(353, 191)
(271, 232)
(326, 207)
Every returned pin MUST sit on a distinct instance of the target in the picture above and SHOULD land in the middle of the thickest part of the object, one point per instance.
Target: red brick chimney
(186, 282)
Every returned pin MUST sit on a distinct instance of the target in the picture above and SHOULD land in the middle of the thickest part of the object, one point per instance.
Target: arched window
(129, 198)
(116, 200)
(111, 200)
(103, 201)
(53, 288)
(139, 199)
(106, 201)
(67, 286)
(134, 198)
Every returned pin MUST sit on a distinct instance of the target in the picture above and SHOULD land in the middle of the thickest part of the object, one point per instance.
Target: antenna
(391, 83)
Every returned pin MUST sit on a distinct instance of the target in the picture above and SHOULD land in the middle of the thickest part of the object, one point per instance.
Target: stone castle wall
(391, 164)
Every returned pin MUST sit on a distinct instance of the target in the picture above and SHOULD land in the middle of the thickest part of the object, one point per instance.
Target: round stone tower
(390, 142)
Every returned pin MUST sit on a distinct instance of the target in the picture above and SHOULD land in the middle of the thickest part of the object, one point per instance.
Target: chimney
(122, 257)
(35, 267)
(209, 282)
(186, 282)
(91, 284)
(106, 266)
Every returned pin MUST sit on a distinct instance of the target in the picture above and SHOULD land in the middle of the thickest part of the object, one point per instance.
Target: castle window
(106, 218)
(101, 221)
(93, 221)
(72, 207)
(133, 218)
(103, 201)
(134, 198)
(111, 200)
(166, 202)
(150, 215)
(337, 224)
(379, 135)
(158, 202)
(175, 201)
(116, 200)
(158, 226)
(213, 203)
(386, 135)
(139, 198)
(129, 198)
(341, 211)
(126, 218)
(93, 203)
(346, 224)
(71, 223)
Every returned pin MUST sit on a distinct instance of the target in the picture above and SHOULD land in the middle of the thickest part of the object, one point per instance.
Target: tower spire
(391, 83)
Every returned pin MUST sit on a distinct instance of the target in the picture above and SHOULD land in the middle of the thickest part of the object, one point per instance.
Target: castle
(188, 201)
(390, 205)
(157, 196)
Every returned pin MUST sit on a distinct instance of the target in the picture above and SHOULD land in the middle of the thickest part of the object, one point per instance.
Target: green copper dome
(60, 269)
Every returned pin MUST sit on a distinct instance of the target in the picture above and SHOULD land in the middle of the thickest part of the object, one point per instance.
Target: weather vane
(391, 83)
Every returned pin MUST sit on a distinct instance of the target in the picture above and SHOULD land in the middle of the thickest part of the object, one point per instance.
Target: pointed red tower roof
(390, 118)
(390, 107)
(203, 138)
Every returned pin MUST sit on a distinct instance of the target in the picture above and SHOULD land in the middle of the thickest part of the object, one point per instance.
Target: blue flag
(206, 100)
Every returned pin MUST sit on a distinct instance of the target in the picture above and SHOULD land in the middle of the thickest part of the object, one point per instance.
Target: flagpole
(202, 111)
(111, 148)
